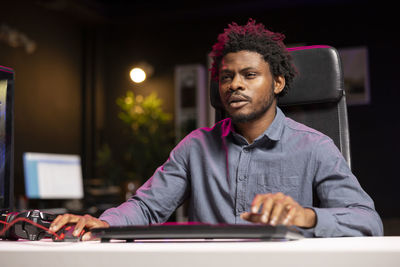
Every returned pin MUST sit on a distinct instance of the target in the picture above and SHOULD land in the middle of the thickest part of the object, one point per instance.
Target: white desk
(326, 252)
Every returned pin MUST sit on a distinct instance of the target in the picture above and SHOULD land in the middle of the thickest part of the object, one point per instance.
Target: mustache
(236, 94)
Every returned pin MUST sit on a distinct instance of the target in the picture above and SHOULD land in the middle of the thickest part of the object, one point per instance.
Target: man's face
(246, 86)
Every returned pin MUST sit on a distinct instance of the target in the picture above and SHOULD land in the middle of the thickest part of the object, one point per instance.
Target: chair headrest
(319, 78)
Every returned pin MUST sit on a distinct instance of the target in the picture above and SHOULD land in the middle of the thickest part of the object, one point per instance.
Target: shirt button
(243, 177)
(245, 150)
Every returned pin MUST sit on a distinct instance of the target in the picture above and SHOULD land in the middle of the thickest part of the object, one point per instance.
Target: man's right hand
(81, 222)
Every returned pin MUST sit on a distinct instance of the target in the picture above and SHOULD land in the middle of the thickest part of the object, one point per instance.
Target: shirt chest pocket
(274, 184)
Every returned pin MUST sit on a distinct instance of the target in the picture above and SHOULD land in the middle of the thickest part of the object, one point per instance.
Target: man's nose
(236, 84)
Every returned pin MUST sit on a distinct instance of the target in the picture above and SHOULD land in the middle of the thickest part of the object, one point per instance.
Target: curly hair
(254, 37)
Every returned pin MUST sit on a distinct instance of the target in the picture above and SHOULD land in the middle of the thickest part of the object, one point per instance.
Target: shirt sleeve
(345, 208)
(158, 198)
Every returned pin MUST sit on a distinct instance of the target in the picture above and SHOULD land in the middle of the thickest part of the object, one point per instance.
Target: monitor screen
(6, 137)
(52, 176)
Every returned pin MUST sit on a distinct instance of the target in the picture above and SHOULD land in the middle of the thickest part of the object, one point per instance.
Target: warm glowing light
(137, 75)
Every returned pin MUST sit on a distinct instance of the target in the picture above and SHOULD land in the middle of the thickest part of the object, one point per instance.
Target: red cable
(8, 226)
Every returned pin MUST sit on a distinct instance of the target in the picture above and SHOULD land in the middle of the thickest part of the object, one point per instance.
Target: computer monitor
(6, 138)
(52, 176)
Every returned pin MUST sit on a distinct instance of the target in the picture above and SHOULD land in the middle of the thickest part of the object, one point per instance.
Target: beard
(256, 113)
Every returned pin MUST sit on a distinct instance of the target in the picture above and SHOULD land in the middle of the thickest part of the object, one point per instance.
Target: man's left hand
(277, 209)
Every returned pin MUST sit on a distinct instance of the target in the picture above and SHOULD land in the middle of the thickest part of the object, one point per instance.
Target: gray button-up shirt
(220, 174)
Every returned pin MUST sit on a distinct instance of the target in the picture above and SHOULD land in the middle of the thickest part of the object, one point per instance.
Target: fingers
(257, 202)
(62, 220)
(281, 207)
(291, 212)
(277, 212)
(81, 222)
(79, 226)
(87, 236)
(267, 207)
(251, 217)
(88, 222)
(273, 209)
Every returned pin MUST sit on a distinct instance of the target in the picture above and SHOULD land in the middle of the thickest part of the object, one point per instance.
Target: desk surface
(347, 251)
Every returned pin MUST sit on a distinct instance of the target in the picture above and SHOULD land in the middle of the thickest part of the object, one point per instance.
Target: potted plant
(147, 138)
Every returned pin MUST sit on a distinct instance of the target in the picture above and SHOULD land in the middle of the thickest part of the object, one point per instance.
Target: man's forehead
(242, 59)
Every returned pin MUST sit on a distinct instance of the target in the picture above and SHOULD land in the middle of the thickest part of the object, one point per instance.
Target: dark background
(66, 89)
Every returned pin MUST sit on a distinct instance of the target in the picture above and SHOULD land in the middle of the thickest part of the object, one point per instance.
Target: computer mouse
(65, 234)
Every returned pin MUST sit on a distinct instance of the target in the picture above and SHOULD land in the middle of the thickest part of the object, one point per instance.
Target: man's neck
(253, 129)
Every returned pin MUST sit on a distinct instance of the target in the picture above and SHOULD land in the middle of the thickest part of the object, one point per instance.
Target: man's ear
(279, 84)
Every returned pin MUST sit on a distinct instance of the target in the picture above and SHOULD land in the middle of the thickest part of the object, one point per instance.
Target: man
(257, 166)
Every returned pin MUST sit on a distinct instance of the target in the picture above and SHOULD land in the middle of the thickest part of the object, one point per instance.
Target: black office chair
(316, 99)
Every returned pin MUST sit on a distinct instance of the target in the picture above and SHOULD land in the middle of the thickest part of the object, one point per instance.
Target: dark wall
(48, 82)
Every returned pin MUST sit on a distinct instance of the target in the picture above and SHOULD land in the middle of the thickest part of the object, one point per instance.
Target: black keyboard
(198, 231)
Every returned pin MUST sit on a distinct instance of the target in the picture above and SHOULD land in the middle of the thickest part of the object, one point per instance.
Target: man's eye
(225, 77)
(251, 75)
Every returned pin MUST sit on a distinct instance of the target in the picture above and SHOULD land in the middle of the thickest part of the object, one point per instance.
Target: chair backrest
(316, 99)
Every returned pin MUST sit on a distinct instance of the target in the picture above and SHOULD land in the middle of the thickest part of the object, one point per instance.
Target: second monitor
(52, 176)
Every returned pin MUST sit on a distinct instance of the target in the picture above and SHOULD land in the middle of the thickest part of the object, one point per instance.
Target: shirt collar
(274, 131)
